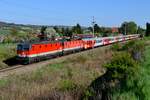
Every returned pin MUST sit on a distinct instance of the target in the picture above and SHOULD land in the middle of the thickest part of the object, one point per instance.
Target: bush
(116, 47)
(122, 65)
(135, 48)
(136, 85)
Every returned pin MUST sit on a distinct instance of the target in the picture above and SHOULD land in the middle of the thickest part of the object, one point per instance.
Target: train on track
(30, 52)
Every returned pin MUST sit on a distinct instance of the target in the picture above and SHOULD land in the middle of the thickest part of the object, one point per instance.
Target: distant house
(115, 30)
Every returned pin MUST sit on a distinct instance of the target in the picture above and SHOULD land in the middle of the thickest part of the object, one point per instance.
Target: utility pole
(93, 24)
(125, 29)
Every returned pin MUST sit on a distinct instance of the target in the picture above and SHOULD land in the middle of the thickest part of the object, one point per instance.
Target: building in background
(115, 30)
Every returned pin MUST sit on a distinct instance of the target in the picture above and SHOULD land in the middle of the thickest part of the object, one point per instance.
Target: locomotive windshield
(23, 47)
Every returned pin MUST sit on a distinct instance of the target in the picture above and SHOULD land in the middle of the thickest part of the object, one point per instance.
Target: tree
(77, 29)
(63, 31)
(140, 30)
(129, 28)
(43, 29)
(90, 29)
(97, 29)
(57, 29)
(43, 35)
(14, 35)
(14, 31)
(68, 32)
(147, 29)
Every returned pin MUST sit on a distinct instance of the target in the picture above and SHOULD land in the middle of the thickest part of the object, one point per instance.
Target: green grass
(139, 89)
(70, 76)
(6, 51)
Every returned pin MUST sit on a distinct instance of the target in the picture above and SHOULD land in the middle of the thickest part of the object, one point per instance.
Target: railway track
(20, 69)
(10, 68)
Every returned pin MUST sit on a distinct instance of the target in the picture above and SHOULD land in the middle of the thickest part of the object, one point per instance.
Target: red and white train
(33, 52)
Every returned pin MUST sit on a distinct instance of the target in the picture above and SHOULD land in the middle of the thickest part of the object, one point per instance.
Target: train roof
(43, 42)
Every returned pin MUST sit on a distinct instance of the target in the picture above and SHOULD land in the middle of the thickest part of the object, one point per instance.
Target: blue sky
(70, 12)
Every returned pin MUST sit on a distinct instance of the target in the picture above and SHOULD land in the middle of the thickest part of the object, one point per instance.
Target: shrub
(125, 69)
(136, 85)
(135, 48)
(122, 65)
(116, 47)
(88, 93)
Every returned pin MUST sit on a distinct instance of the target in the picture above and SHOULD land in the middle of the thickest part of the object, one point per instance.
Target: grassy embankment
(7, 50)
(137, 88)
(65, 79)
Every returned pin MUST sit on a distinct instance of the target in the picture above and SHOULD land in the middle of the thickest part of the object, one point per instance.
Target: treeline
(15, 34)
(125, 28)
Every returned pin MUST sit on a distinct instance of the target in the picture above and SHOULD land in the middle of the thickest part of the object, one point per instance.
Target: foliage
(56, 29)
(148, 29)
(137, 88)
(14, 31)
(128, 28)
(124, 96)
(140, 30)
(68, 32)
(136, 49)
(77, 29)
(43, 29)
(7, 50)
(97, 29)
(116, 47)
(122, 66)
(63, 31)
(88, 93)
(104, 34)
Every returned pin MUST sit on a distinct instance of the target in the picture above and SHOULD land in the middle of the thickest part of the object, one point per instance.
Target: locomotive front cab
(23, 52)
